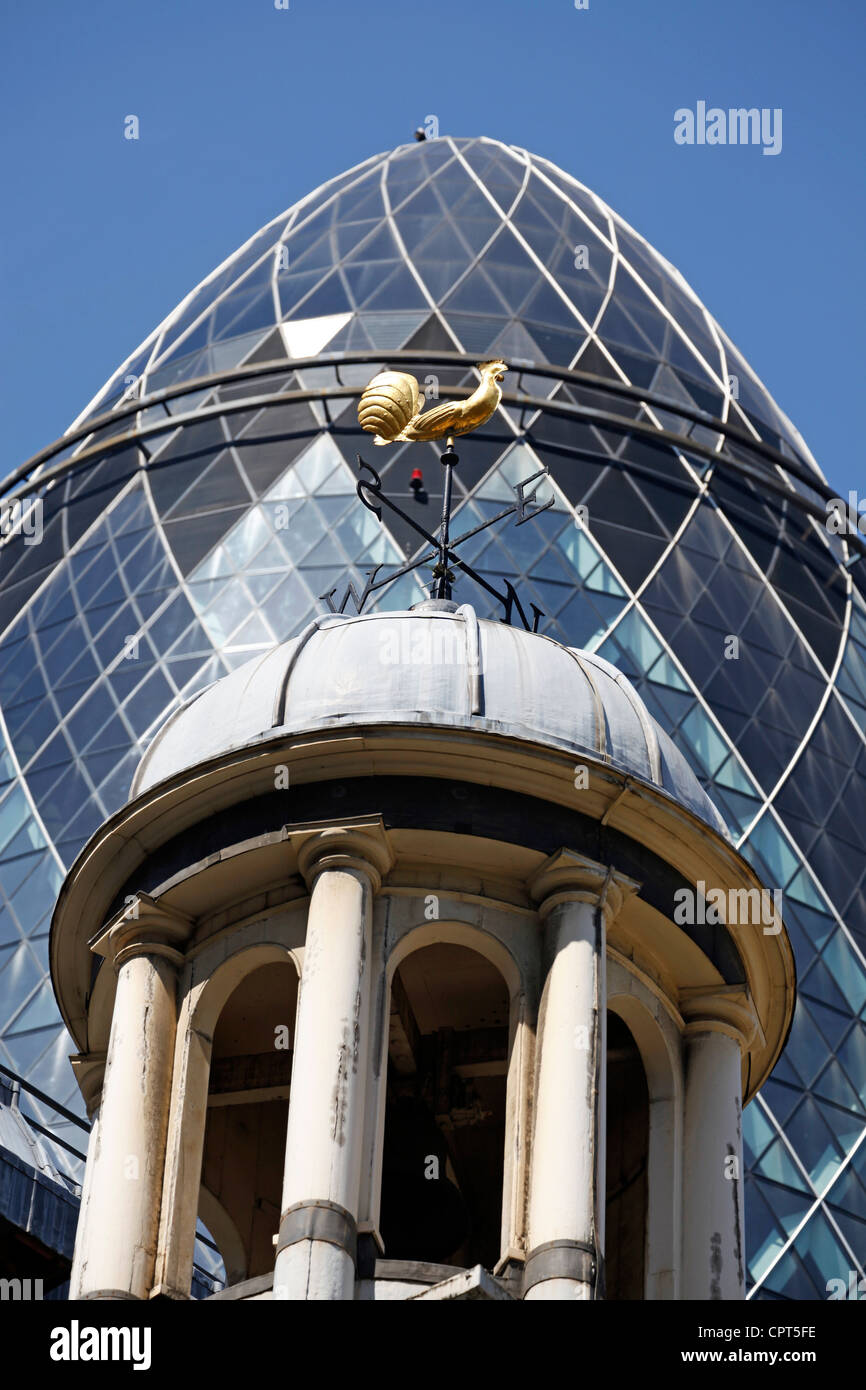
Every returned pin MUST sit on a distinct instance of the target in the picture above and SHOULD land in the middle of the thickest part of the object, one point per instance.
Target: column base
(316, 1253)
(563, 1270)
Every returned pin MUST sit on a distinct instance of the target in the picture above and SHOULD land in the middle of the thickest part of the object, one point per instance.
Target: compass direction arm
(518, 508)
(398, 573)
(524, 512)
(442, 547)
(374, 488)
(352, 592)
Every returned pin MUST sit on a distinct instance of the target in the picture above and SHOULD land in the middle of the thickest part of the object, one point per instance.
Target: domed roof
(465, 245)
(437, 666)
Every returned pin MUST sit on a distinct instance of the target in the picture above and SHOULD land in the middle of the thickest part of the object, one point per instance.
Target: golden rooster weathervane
(391, 407)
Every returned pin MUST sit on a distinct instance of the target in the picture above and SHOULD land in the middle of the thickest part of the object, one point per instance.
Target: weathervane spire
(389, 409)
(442, 575)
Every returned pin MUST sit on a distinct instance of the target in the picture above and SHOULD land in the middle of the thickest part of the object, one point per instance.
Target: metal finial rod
(449, 461)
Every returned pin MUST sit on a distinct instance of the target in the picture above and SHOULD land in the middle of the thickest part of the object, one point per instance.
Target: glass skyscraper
(202, 504)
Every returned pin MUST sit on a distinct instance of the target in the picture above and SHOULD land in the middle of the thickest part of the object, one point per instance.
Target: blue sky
(244, 108)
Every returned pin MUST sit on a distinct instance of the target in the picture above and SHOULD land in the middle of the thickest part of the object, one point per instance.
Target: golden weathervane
(391, 407)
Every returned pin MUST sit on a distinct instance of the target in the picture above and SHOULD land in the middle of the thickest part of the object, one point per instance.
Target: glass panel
(814, 1142)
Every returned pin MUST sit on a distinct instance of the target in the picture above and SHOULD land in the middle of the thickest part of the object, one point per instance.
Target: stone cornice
(113, 857)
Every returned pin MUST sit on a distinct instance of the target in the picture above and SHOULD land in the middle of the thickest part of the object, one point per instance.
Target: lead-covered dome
(438, 665)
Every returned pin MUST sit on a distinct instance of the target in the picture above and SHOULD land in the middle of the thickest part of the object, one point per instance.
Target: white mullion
(407, 259)
(821, 707)
(275, 293)
(536, 261)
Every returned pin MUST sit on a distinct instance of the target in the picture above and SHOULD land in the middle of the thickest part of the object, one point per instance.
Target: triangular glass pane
(834, 1024)
(854, 1232)
(852, 1055)
(271, 349)
(666, 384)
(389, 331)
(515, 344)
(559, 346)
(26, 1048)
(477, 295)
(352, 338)
(684, 360)
(497, 173)
(833, 1085)
(306, 337)
(477, 221)
(618, 328)
(424, 203)
(329, 298)
(399, 291)
(547, 307)
(848, 1193)
(315, 465)
(381, 246)
(819, 983)
(806, 1046)
(475, 334)
(359, 204)
(293, 288)
(777, 1164)
(846, 1128)
(325, 552)
(815, 1142)
(255, 633)
(431, 334)
(846, 970)
(648, 318)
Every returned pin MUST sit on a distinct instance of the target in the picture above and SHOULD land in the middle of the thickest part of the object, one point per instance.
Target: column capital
(360, 844)
(566, 876)
(145, 927)
(727, 1009)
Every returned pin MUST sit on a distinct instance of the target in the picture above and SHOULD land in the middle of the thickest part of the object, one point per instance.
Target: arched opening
(247, 1114)
(442, 1167)
(626, 1207)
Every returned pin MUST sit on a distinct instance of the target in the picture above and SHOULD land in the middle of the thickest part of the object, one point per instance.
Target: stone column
(718, 1028)
(316, 1249)
(89, 1070)
(577, 899)
(184, 1151)
(115, 1244)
